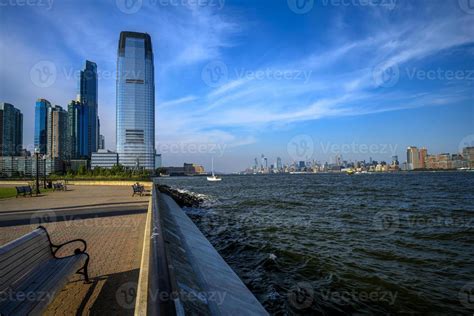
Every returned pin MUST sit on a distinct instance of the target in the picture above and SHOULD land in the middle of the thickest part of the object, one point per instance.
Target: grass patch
(7, 193)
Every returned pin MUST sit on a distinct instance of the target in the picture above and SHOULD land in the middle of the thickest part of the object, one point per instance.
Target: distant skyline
(252, 77)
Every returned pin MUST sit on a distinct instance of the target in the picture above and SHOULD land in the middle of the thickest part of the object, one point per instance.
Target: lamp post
(37, 170)
(44, 171)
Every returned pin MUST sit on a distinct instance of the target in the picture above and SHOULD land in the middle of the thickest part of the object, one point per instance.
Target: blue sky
(353, 77)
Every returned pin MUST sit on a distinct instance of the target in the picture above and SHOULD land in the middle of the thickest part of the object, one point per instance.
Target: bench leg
(84, 271)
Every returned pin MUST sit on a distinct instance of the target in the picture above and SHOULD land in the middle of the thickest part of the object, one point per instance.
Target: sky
(235, 79)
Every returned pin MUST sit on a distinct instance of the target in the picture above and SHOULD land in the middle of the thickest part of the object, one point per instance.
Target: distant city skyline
(248, 77)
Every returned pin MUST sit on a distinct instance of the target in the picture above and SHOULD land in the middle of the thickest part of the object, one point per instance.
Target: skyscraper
(41, 125)
(135, 101)
(78, 126)
(11, 130)
(88, 96)
(57, 132)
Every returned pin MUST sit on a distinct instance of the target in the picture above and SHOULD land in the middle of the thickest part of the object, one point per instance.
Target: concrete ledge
(185, 274)
(141, 303)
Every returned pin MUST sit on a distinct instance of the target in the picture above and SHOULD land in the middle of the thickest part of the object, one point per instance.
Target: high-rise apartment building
(57, 140)
(135, 101)
(11, 130)
(413, 158)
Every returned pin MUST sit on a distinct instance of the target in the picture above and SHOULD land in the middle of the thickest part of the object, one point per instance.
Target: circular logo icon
(44, 218)
(467, 6)
(43, 74)
(386, 222)
(215, 74)
(301, 296)
(300, 6)
(467, 141)
(386, 77)
(129, 6)
(126, 295)
(466, 295)
(301, 147)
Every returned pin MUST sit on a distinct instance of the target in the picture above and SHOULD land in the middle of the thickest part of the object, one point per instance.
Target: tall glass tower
(41, 125)
(88, 96)
(135, 101)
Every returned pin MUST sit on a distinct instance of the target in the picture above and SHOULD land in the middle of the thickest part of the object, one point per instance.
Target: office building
(104, 159)
(11, 130)
(88, 96)
(41, 125)
(135, 101)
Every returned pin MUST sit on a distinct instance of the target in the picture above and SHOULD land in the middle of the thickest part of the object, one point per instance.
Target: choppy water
(338, 244)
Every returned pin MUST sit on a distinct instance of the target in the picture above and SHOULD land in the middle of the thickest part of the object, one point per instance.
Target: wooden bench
(24, 190)
(32, 273)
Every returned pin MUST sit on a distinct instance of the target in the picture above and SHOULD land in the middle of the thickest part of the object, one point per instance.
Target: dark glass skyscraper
(135, 101)
(88, 95)
(11, 130)
(41, 125)
(78, 126)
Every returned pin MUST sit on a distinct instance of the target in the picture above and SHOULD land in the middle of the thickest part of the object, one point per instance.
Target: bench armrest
(55, 248)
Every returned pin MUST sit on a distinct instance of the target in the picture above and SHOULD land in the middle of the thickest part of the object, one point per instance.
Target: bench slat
(44, 283)
(25, 249)
(18, 273)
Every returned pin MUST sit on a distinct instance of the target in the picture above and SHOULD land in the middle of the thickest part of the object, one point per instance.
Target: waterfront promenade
(113, 227)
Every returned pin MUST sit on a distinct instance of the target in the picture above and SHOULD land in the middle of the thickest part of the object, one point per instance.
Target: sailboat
(213, 178)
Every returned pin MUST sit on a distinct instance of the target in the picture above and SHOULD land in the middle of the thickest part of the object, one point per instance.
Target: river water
(338, 244)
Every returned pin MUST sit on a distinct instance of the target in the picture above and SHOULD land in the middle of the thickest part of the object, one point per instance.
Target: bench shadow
(116, 297)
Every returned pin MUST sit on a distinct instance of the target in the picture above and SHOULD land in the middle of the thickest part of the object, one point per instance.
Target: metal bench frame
(55, 248)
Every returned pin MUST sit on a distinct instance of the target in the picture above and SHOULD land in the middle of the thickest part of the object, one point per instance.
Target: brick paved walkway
(115, 245)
